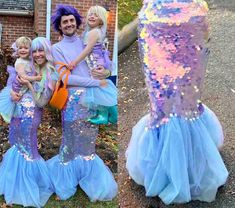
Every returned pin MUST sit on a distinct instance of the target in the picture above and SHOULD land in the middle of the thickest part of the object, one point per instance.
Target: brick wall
(82, 6)
(14, 27)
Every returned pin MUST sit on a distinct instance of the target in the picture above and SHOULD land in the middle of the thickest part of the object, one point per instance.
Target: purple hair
(61, 10)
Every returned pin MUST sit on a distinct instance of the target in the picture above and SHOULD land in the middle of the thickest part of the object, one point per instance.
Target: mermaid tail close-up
(173, 150)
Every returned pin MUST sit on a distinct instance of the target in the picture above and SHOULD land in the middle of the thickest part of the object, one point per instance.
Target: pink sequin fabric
(172, 42)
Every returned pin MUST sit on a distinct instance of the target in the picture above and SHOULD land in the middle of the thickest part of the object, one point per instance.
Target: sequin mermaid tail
(24, 174)
(77, 163)
(173, 151)
(99, 96)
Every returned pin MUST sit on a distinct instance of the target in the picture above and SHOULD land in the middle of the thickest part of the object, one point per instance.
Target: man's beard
(71, 31)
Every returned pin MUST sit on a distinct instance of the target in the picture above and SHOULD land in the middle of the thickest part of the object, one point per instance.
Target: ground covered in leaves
(218, 95)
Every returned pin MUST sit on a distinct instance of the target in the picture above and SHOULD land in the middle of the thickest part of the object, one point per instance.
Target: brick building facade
(16, 19)
(28, 18)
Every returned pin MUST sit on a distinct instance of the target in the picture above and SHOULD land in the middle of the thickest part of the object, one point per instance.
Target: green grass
(127, 11)
(79, 200)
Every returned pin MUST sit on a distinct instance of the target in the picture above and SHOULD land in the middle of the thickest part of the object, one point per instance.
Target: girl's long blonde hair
(101, 12)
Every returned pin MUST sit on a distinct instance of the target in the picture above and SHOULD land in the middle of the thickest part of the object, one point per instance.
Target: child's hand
(15, 96)
(100, 73)
(24, 81)
(24, 77)
(38, 77)
(103, 83)
(72, 65)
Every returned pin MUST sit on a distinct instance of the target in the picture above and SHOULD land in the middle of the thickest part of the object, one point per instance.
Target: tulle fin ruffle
(24, 182)
(94, 178)
(180, 160)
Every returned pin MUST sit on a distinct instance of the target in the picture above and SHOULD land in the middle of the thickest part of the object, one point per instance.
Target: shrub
(5, 59)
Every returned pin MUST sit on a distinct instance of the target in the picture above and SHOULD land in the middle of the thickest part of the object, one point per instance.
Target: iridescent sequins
(79, 135)
(23, 128)
(172, 41)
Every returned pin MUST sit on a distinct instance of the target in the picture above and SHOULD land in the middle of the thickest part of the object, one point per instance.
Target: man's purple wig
(64, 10)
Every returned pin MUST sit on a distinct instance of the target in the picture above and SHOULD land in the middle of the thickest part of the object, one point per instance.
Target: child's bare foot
(57, 198)
(6, 205)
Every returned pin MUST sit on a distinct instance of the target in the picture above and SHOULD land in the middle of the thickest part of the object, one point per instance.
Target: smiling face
(94, 20)
(23, 51)
(39, 56)
(68, 25)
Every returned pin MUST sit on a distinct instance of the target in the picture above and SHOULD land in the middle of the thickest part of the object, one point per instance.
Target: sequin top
(99, 55)
(99, 32)
(16, 86)
(172, 42)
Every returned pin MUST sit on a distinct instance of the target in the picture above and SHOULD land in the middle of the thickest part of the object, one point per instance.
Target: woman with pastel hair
(24, 175)
(173, 150)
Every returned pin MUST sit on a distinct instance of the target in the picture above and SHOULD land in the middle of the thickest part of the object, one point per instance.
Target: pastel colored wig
(41, 43)
(64, 10)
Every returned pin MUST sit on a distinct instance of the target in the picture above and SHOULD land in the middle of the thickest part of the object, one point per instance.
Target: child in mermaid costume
(104, 99)
(22, 69)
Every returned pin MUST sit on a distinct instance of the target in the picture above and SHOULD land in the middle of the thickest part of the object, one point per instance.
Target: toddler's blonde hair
(23, 41)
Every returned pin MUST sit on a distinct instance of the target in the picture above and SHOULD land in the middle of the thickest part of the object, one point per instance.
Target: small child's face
(94, 20)
(23, 51)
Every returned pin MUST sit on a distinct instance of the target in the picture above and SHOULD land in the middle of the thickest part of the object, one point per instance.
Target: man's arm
(74, 80)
